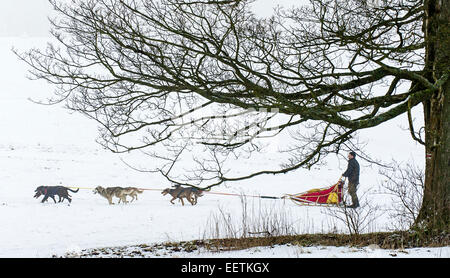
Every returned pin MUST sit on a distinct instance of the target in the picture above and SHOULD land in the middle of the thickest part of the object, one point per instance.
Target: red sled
(322, 196)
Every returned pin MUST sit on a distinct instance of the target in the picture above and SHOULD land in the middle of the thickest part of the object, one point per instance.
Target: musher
(352, 173)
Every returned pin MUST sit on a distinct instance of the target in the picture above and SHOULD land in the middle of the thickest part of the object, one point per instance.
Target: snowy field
(46, 145)
(285, 251)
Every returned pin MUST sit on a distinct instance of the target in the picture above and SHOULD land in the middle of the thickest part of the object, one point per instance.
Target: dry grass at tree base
(385, 240)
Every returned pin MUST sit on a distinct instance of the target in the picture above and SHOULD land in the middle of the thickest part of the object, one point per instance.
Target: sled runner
(329, 196)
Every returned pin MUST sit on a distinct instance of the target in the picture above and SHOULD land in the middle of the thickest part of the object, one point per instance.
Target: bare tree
(405, 184)
(357, 220)
(168, 72)
(257, 219)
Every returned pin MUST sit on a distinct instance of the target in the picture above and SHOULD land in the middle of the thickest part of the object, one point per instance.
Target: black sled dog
(51, 191)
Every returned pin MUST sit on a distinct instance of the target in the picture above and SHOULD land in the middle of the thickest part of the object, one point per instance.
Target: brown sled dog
(134, 192)
(119, 192)
(178, 192)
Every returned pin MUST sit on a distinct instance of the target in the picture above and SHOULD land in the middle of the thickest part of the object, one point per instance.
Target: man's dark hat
(353, 154)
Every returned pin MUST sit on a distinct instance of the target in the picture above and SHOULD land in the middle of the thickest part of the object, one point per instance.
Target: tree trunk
(434, 215)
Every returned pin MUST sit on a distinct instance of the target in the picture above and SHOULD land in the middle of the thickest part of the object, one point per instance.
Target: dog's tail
(73, 190)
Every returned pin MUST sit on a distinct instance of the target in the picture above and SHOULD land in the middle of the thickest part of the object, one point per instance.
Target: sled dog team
(177, 192)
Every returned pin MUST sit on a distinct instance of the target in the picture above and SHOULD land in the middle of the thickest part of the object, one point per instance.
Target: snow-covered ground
(277, 251)
(46, 145)
(325, 252)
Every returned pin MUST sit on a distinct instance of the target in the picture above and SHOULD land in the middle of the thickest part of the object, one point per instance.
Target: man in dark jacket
(352, 173)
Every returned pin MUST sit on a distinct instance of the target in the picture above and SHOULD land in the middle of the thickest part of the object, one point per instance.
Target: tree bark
(434, 215)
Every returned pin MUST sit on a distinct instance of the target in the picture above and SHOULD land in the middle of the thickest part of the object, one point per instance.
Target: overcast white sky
(24, 18)
(28, 18)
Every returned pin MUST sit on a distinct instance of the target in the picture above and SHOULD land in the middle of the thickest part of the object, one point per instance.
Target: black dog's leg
(67, 197)
(44, 199)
